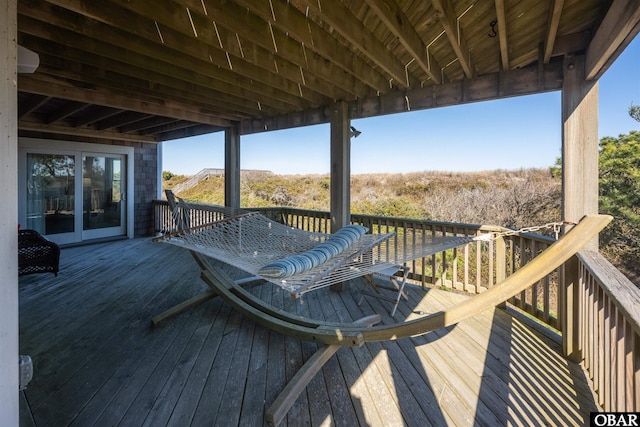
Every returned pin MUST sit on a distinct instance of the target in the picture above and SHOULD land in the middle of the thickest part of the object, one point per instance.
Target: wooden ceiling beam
(501, 19)
(619, 26)
(187, 132)
(35, 102)
(314, 41)
(168, 127)
(522, 81)
(90, 75)
(95, 114)
(147, 123)
(244, 39)
(454, 33)
(348, 26)
(37, 35)
(85, 132)
(397, 22)
(555, 13)
(175, 126)
(274, 48)
(145, 96)
(566, 45)
(64, 112)
(43, 85)
(160, 47)
(119, 120)
(526, 58)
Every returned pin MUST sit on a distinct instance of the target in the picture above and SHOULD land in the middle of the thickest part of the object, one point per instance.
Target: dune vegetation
(511, 198)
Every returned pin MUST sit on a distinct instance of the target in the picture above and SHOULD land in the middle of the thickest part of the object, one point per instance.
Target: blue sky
(513, 133)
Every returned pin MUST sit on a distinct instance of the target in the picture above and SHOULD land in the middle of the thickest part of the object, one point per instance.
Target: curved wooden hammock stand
(336, 335)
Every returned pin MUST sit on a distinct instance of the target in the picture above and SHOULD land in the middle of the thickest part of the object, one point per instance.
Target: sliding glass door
(72, 196)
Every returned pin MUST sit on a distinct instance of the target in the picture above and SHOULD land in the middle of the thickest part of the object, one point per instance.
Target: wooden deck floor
(98, 361)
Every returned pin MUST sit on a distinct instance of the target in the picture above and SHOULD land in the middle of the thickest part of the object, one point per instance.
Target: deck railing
(606, 305)
(608, 332)
(470, 269)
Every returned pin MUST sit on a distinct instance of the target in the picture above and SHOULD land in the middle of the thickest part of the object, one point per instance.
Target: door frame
(47, 146)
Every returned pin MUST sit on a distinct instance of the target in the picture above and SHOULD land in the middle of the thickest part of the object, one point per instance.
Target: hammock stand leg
(198, 299)
(396, 286)
(287, 397)
(183, 306)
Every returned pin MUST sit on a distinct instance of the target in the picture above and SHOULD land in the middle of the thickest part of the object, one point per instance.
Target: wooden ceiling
(149, 70)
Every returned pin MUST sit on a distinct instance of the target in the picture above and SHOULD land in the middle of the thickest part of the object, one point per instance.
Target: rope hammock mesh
(250, 240)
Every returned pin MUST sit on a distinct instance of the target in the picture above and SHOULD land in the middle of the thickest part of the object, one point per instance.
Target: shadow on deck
(98, 361)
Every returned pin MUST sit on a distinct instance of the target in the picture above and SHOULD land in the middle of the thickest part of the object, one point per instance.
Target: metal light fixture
(354, 133)
(28, 60)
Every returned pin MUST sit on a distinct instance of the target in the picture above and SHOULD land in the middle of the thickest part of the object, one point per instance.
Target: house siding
(146, 186)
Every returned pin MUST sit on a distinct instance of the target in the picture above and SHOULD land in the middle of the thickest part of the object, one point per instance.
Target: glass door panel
(50, 193)
(76, 191)
(102, 201)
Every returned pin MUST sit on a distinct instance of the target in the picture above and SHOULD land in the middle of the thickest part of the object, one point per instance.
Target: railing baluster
(636, 371)
(599, 383)
(620, 365)
(607, 354)
(629, 339)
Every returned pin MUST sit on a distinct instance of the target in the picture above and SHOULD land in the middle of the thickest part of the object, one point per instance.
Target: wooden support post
(579, 144)
(340, 170)
(9, 218)
(579, 181)
(340, 167)
(232, 166)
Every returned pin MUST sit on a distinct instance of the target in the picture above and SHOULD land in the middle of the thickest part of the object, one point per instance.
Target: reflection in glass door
(103, 198)
(50, 193)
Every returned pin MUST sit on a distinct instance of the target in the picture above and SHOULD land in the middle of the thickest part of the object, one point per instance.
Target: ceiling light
(28, 60)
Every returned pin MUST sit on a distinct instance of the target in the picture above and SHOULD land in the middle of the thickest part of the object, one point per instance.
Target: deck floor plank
(450, 363)
(116, 396)
(213, 395)
(234, 388)
(72, 347)
(254, 401)
(317, 394)
(98, 361)
(192, 389)
(167, 362)
(172, 391)
(299, 412)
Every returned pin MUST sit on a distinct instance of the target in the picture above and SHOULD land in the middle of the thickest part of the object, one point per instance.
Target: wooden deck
(98, 361)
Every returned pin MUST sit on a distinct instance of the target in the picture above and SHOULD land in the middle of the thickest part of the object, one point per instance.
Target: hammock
(252, 240)
(253, 243)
